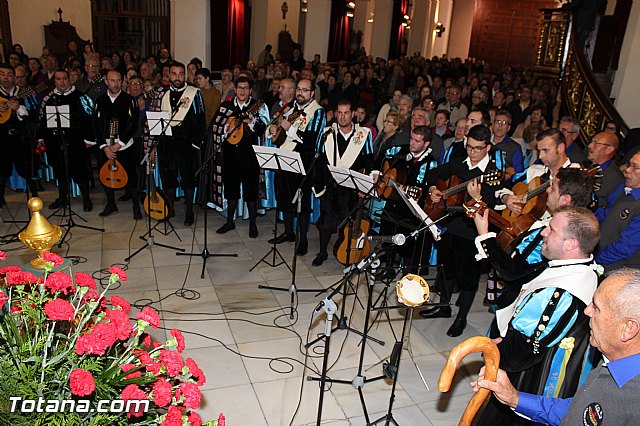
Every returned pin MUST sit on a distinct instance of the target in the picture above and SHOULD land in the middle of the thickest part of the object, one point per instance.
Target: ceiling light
(351, 4)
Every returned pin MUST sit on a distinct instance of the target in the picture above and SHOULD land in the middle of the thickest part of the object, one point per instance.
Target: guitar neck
(497, 220)
(459, 187)
(538, 190)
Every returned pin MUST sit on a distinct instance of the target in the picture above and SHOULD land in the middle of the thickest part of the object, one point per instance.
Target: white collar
(237, 102)
(71, 89)
(113, 98)
(564, 262)
(422, 155)
(175, 89)
(482, 164)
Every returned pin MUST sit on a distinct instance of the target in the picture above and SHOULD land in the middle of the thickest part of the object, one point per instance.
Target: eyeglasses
(502, 122)
(476, 148)
(243, 88)
(567, 132)
(635, 167)
(595, 142)
(611, 128)
(135, 84)
(302, 89)
(390, 122)
(92, 66)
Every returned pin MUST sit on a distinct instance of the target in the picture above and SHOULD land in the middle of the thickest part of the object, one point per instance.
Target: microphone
(398, 239)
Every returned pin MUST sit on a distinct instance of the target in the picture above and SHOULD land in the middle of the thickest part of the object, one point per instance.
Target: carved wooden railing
(581, 95)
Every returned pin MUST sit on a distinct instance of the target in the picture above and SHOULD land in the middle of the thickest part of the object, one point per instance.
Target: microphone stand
(203, 190)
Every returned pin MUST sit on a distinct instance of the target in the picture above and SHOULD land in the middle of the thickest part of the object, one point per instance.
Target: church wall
(316, 36)
(461, 26)
(625, 85)
(190, 32)
(29, 17)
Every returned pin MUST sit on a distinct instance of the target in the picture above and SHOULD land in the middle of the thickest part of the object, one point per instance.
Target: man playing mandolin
(246, 122)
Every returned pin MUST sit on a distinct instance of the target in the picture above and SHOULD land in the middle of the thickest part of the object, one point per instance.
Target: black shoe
(303, 248)
(437, 312)
(320, 258)
(137, 214)
(457, 328)
(87, 205)
(188, 219)
(282, 238)
(226, 228)
(59, 202)
(253, 231)
(125, 197)
(387, 274)
(108, 210)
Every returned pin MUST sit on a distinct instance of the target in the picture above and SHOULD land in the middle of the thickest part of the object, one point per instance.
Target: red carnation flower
(192, 395)
(134, 393)
(221, 420)
(194, 419)
(85, 280)
(161, 393)
(81, 382)
(196, 372)
(59, 281)
(129, 367)
(150, 316)
(96, 341)
(3, 299)
(59, 310)
(56, 259)
(20, 277)
(12, 268)
(119, 302)
(173, 418)
(122, 275)
(146, 340)
(179, 338)
(172, 362)
(3, 255)
(120, 321)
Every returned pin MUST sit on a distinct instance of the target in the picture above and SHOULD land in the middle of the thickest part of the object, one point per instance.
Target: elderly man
(610, 392)
(620, 221)
(570, 128)
(534, 332)
(601, 150)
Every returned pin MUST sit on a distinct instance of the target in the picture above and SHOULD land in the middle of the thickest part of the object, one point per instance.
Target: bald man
(601, 151)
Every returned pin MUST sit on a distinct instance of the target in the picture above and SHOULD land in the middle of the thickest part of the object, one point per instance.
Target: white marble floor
(251, 351)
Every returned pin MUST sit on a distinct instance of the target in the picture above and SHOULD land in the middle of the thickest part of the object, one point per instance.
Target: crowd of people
(442, 126)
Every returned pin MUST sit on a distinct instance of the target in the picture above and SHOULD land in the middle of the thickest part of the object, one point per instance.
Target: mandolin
(509, 230)
(156, 203)
(535, 195)
(454, 192)
(360, 245)
(234, 124)
(112, 174)
(390, 174)
(22, 93)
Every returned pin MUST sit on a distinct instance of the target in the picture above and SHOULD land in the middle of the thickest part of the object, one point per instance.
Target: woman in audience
(392, 122)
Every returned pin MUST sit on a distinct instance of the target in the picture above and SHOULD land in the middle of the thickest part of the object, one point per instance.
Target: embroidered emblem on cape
(624, 214)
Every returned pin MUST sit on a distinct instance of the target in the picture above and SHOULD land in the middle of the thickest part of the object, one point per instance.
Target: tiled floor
(242, 337)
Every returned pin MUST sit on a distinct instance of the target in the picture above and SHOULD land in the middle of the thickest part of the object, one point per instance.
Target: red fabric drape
(339, 31)
(396, 42)
(229, 29)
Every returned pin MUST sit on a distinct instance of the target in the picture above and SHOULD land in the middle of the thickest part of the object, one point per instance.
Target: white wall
(626, 89)
(418, 31)
(441, 44)
(316, 37)
(29, 17)
(267, 22)
(460, 28)
(381, 29)
(190, 31)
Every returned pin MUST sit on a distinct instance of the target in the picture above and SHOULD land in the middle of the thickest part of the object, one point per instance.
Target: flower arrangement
(61, 341)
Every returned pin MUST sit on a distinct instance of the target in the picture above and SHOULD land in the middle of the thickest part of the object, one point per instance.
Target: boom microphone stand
(203, 185)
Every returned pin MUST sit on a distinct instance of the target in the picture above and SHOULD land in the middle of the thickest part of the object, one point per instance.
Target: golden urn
(39, 235)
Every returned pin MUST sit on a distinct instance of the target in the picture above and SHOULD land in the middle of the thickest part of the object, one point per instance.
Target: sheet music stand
(268, 159)
(292, 162)
(59, 117)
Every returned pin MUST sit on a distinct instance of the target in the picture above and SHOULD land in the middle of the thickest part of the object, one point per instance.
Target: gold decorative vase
(40, 235)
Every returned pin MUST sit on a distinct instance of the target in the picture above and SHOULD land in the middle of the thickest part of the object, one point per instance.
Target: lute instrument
(22, 93)
(391, 174)
(454, 191)
(281, 135)
(112, 174)
(234, 124)
(359, 246)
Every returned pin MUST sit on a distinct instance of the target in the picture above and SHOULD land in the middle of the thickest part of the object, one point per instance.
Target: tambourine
(412, 290)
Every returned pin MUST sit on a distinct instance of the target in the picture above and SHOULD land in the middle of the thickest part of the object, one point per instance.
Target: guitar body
(5, 115)
(157, 205)
(22, 93)
(356, 254)
(235, 136)
(435, 210)
(383, 188)
(534, 206)
(113, 175)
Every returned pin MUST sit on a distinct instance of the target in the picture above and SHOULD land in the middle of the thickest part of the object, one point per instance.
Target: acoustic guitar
(112, 174)
(454, 192)
(281, 135)
(391, 174)
(22, 93)
(509, 230)
(156, 203)
(360, 246)
(534, 195)
(234, 124)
